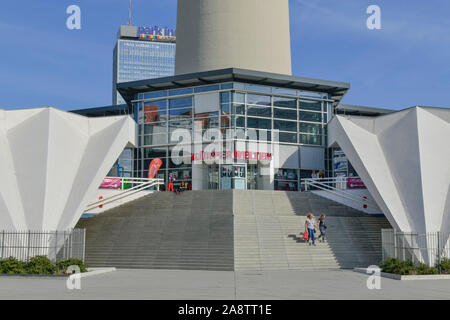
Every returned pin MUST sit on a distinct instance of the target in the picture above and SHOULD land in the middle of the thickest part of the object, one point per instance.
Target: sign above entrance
(241, 155)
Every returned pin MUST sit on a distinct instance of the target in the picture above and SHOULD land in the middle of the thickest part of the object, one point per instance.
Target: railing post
(28, 249)
(3, 243)
(71, 244)
(56, 243)
(395, 244)
(439, 251)
(84, 243)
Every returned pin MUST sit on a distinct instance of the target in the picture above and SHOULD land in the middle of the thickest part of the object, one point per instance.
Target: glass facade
(139, 60)
(300, 118)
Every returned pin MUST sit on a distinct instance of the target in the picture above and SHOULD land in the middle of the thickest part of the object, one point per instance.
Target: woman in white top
(310, 225)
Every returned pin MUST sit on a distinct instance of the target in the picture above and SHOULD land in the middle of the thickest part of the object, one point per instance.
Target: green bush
(12, 266)
(61, 266)
(397, 266)
(400, 267)
(40, 265)
(445, 266)
(423, 269)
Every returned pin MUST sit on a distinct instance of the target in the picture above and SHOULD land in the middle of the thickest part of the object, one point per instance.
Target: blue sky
(407, 63)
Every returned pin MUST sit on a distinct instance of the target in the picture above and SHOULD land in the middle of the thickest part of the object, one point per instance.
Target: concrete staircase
(230, 230)
(268, 227)
(193, 230)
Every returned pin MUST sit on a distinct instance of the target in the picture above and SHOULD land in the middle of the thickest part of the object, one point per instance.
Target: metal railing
(429, 248)
(338, 187)
(135, 185)
(56, 245)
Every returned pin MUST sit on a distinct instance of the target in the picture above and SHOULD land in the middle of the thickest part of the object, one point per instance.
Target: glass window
(239, 86)
(310, 105)
(180, 113)
(310, 128)
(311, 116)
(147, 163)
(155, 139)
(288, 137)
(239, 108)
(290, 92)
(179, 137)
(226, 108)
(181, 124)
(151, 153)
(209, 122)
(214, 87)
(178, 92)
(225, 97)
(240, 121)
(264, 135)
(258, 99)
(285, 114)
(180, 103)
(226, 86)
(255, 87)
(238, 97)
(155, 128)
(286, 174)
(285, 125)
(259, 111)
(285, 102)
(258, 123)
(153, 95)
(225, 122)
(311, 139)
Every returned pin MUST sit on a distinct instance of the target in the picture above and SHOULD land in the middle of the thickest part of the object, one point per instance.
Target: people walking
(322, 227)
(171, 181)
(310, 228)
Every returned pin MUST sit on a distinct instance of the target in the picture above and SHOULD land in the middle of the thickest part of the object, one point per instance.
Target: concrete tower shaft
(247, 34)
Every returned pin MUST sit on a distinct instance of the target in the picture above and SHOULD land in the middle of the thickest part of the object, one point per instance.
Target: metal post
(56, 243)
(28, 249)
(84, 243)
(70, 243)
(3, 243)
(395, 245)
(439, 251)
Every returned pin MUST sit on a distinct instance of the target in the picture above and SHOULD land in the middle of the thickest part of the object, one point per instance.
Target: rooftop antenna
(129, 17)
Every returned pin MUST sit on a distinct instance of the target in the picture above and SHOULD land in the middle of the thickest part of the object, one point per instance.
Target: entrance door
(252, 177)
(213, 177)
(225, 177)
(239, 181)
(233, 177)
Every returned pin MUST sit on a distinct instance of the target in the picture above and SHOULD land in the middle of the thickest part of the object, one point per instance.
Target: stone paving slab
(228, 285)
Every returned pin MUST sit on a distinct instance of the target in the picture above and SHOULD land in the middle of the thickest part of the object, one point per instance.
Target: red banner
(154, 167)
(355, 183)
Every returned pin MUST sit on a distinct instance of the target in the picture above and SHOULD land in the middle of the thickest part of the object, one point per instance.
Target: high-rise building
(142, 53)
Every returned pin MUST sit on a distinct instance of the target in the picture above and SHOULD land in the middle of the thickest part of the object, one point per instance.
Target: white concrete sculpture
(404, 160)
(52, 163)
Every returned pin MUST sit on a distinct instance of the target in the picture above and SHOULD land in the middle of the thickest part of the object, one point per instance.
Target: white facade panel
(404, 160)
(51, 164)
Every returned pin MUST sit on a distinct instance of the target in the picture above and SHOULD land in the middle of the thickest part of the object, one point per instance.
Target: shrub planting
(39, 265)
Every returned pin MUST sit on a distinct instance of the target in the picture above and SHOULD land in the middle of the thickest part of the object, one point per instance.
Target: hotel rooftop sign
(157, 33)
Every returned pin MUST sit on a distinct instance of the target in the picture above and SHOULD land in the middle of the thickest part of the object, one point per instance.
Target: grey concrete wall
(247, 34)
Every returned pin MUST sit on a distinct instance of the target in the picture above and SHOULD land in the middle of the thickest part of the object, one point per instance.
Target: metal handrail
(321, 183)
(146, 183)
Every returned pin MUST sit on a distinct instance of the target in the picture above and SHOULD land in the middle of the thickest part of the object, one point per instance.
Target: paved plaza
(227, 285)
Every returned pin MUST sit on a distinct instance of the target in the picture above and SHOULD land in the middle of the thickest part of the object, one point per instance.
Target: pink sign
(355, 183)
(110, 183)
